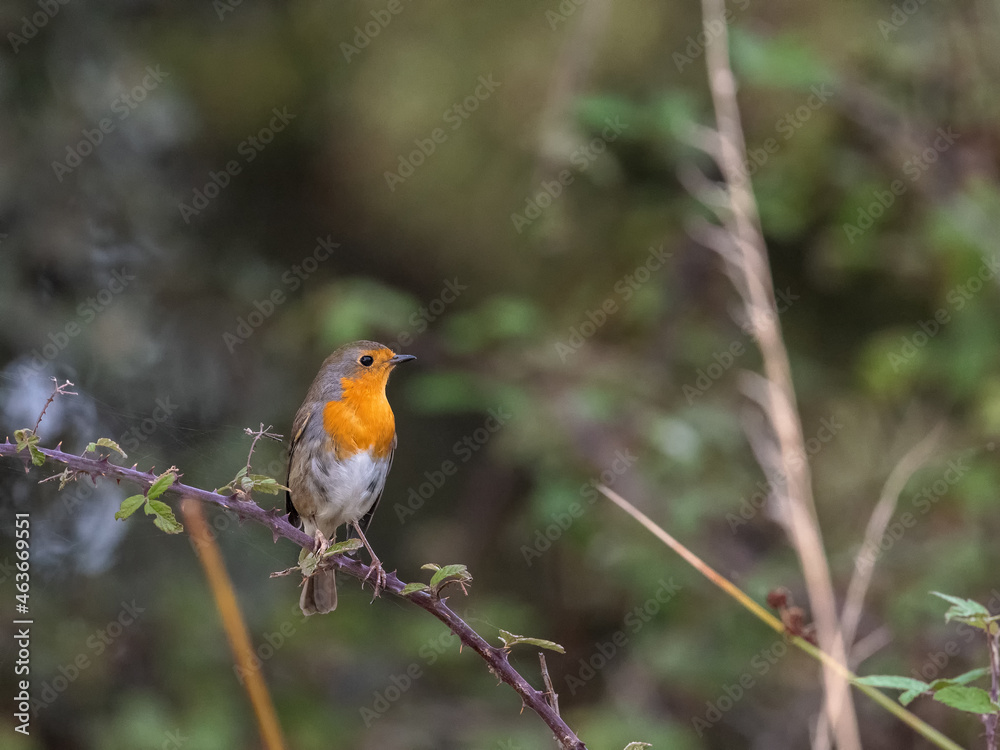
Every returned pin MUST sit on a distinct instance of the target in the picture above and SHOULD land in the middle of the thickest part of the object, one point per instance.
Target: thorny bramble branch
(276, 521)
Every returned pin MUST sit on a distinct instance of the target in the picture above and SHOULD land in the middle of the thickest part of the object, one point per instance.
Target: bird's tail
(319, 593)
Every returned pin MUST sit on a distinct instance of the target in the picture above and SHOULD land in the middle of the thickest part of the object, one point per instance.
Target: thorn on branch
(551, 697)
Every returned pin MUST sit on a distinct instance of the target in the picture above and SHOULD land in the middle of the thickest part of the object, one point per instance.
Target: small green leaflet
(164, 517)
(912, 687)
(308, 562)
(966, 610)
(971, 699)
(129, 506)
(264, 483)
(107, 443)
(412, 588)
(962, 679)
(340, 548)
(510, 639)
(637, 745)
(161, 484)
(457, 571)
(28, 439)
(249, 482)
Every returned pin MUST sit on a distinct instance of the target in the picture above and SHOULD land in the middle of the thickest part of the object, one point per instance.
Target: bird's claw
(322, 543)
(378, 571)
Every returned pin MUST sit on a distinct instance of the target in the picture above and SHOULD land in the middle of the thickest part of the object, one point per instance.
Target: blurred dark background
(199, 201)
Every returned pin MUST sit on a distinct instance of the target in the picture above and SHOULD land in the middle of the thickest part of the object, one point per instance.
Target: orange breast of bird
(361, 419)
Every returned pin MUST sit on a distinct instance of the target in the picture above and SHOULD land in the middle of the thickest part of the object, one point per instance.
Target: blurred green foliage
(593, 117)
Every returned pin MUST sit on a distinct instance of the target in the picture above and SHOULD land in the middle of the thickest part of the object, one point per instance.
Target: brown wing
(298, 428)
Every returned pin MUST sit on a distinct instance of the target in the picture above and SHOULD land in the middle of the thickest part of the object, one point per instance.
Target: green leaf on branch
(458, 572)
(28, 439)
(510, 639)
(161, 484)
(412, 588)
(247, 483)
(966, 610)
(445, 574)
(637, 745)
(971, 699)
(164, 517)
(911, 687)
(129, 506)
(962, 679)
(106, 443)
(265, 484)
(308, 561)
(348, 545)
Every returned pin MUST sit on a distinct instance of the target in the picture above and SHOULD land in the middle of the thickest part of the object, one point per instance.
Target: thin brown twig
(864, 562)
(877, 524)
(775, 624)
(277, 522)
(800, 517)
(263, 432)
(59, 390)
(233, 623)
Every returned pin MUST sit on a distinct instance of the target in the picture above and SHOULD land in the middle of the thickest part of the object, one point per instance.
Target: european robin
(343, 438)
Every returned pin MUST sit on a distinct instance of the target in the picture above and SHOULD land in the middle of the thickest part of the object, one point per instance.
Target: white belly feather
(346, 490)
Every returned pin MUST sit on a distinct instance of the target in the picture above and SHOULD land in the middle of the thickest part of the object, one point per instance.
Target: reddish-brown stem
(275, 520)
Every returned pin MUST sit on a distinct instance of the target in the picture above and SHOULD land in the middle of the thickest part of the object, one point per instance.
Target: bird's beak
(399, 358)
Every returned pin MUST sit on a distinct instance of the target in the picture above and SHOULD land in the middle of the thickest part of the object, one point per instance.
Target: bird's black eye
(366, 361)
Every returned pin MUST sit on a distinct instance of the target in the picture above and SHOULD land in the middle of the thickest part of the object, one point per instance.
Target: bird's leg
(322, 543)
(376, 566)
